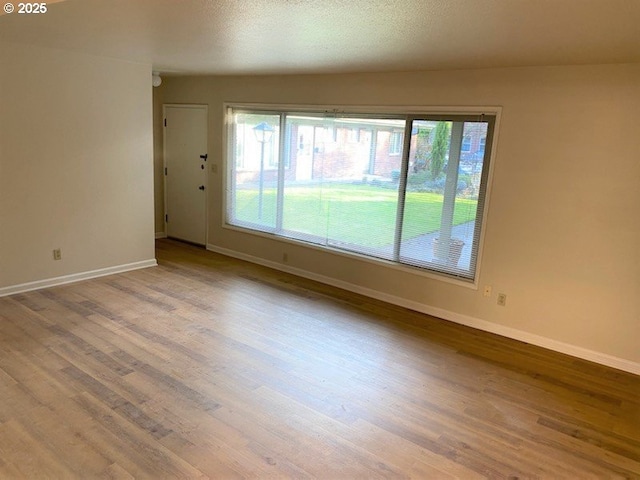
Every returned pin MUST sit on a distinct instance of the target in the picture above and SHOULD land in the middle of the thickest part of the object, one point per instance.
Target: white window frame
(395, 143)
(415, 111)
(482, 144)
(467, 142)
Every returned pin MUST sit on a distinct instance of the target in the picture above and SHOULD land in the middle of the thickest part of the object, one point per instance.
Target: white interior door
(185, 156)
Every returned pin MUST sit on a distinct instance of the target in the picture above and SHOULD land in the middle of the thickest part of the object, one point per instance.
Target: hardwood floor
(211, 367)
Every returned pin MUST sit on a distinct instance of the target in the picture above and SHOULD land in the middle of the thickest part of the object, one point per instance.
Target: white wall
(76, 165)
(562, 234)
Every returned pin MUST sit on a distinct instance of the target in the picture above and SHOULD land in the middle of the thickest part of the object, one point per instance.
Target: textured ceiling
(310, 36)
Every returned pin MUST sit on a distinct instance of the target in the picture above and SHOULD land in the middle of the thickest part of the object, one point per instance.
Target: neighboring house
(347, 149)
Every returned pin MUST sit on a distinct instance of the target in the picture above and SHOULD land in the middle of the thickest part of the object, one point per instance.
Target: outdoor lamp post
(263, 132)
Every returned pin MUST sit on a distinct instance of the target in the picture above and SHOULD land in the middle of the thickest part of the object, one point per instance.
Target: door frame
(194, 106)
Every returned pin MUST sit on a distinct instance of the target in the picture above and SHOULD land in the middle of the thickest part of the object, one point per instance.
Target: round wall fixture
(156, 80)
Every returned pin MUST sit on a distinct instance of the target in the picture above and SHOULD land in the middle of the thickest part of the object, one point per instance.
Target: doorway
(185, 172)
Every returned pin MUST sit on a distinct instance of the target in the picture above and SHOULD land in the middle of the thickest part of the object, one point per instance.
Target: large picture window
(407, 189)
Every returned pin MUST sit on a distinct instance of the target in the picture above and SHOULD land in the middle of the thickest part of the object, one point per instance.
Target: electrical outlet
(502, 299)
(487, 291)
(57, 254)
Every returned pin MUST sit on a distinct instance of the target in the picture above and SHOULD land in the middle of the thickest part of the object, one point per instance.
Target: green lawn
(359, 214)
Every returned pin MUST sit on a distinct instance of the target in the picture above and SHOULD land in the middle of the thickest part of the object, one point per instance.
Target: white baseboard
(469, 321)
(75, 277)
(161, 235)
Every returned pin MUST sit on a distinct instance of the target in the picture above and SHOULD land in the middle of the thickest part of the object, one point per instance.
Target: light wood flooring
(206, 366)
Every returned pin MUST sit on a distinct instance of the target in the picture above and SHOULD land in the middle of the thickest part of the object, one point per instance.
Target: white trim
(161, 235)
(371, 109)
(469, 321)
(76, 277)
(487, 195)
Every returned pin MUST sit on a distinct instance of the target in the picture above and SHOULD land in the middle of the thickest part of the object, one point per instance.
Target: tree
(422, 150)
(439, 149)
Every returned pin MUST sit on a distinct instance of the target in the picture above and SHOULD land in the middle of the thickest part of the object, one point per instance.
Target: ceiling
(310, 36)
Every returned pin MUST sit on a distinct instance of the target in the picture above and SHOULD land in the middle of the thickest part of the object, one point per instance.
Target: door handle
(204, 157)
(201, 187)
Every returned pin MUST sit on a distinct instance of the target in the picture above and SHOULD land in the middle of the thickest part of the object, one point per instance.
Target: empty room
(320, 239)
